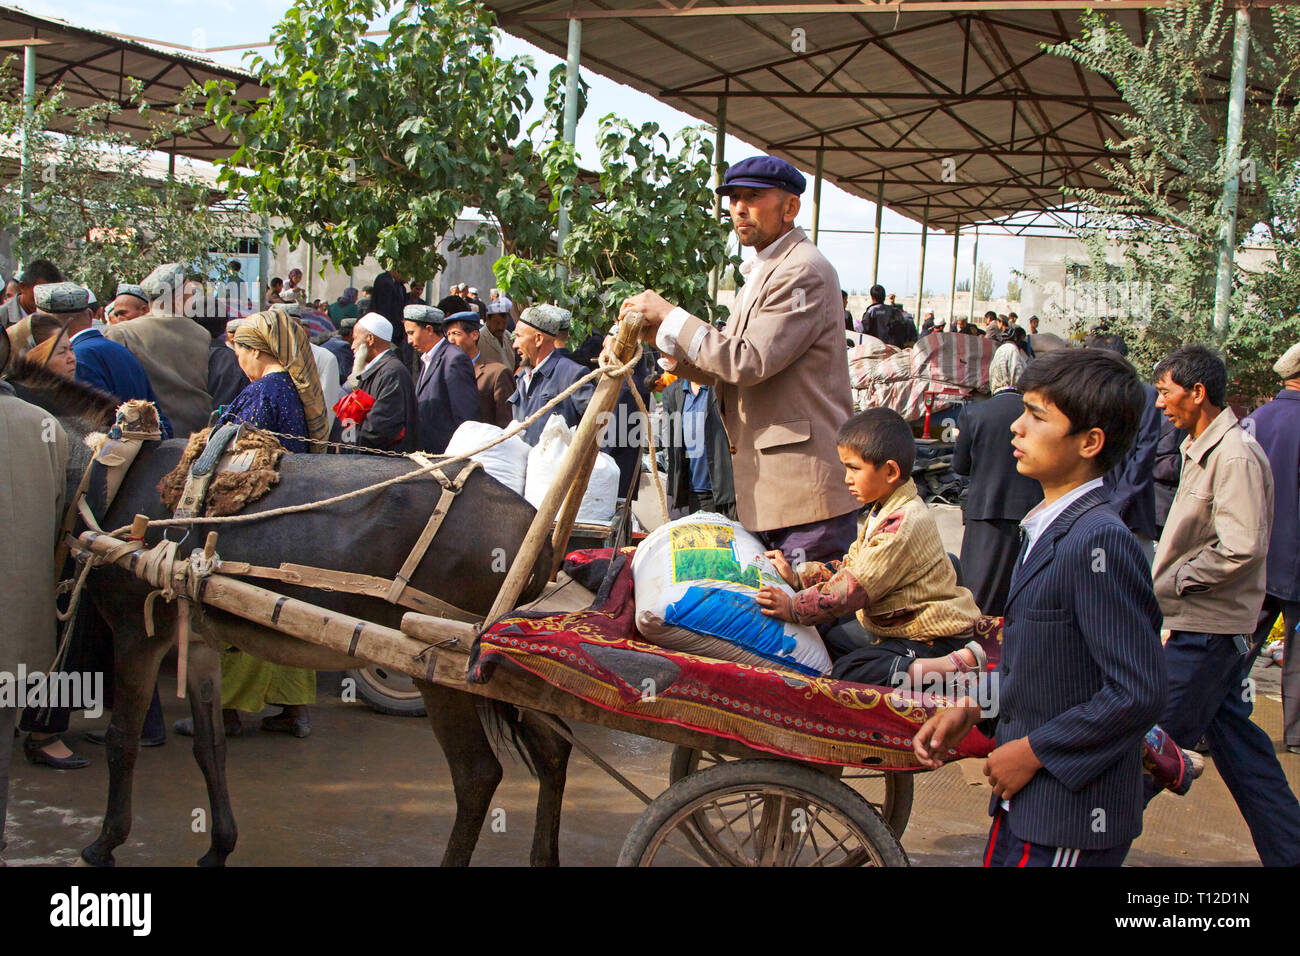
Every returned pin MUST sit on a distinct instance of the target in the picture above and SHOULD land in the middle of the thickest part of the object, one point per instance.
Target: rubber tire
(783, 773)
(371, 689)
(899, 787)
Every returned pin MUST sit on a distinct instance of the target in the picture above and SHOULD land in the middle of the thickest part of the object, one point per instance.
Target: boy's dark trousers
(1005, 849)
(1209, 696)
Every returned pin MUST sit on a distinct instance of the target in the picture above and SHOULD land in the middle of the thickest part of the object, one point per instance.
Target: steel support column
(25, 160)
(952, 289)
(719, 163)
(817, 198)
(974, 274)
(920, 274)
(263, 263)
(570, 119)
(875, 249)
(1228, 206)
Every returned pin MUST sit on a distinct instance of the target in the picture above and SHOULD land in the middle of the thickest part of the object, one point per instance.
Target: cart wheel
(388, 691)
(890, 793)
(761, 813)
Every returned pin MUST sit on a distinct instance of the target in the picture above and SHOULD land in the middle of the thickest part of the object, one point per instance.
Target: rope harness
(161, 567)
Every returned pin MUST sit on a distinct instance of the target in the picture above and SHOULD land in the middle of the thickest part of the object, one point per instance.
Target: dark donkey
(370, 534)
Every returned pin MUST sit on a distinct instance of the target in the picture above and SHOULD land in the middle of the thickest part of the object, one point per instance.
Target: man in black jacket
(389, 299)
(392, 423)
(999, 495)
(875, 321)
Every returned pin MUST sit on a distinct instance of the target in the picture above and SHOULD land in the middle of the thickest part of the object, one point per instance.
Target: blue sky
(214, 23)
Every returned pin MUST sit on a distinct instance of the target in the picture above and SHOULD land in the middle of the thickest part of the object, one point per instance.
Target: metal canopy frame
(945, 105)
(93, 68)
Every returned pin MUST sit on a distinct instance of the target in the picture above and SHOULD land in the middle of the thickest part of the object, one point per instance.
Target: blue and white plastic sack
(696, 579)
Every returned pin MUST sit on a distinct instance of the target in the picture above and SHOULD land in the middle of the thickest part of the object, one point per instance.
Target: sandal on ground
(284, 724)
(34, 750)
(185, 727)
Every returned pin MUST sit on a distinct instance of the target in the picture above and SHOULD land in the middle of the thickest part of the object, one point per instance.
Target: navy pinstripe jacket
(1083, 675)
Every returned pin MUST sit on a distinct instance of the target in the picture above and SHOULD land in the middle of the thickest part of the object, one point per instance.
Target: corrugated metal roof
(951, 104)
(93, 68)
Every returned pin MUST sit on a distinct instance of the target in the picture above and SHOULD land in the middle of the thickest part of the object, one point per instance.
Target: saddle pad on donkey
(597, 656)
(245, 473)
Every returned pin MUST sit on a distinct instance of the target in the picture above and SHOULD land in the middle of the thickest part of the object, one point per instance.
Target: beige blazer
(174, 353)
(1211, 564)
(781, 375)
(33, 456)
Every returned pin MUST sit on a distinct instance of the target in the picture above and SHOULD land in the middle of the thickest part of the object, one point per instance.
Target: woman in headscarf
(283, 396)
(999, 495)
(345, 307)
(284, 392)
(53, 348)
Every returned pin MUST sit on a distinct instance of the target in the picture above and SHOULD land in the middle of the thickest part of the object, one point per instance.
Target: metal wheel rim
(784, 851)
(390, 683)
(711, 758)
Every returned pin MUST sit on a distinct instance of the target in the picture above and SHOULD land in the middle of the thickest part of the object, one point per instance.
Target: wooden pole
(584, 443)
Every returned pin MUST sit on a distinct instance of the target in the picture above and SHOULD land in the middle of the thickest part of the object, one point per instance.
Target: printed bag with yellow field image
(696, 578)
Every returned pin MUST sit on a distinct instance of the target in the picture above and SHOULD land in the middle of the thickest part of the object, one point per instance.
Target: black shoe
(185, 727)
(33, 750)
(100, 737)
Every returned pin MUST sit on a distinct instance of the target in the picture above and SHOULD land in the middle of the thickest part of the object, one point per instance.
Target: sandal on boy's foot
(284, 724)
(185, 727)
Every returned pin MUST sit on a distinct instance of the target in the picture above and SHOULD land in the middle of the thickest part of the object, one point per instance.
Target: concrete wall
(1058, 298)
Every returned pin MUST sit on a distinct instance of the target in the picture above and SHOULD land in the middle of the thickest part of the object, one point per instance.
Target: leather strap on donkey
(195, 492)
(396, 591)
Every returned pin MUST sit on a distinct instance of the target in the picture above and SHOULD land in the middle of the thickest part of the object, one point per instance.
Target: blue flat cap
(470, 318)
(763, 172)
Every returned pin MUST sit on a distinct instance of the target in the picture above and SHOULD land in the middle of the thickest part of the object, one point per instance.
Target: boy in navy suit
(1082, 677)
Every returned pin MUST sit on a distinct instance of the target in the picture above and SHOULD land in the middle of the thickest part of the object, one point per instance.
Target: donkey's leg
(475, 770)
(203, 685)
(137, 658)
(550, 756)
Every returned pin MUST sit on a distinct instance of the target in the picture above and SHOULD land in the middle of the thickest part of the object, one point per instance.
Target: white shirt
(1041, 517)
(426, 358)
(528, 373)
(327, 368)
(671, 327)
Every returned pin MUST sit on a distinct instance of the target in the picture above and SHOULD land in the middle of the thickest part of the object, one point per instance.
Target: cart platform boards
(596, 655)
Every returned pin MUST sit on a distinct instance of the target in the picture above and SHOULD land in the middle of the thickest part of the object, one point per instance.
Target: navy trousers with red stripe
(1005, 849)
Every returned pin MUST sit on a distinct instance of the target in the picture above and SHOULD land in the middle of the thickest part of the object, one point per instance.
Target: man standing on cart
(778, 369)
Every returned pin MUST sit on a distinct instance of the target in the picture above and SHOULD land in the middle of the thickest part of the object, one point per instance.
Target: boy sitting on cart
(912, 617)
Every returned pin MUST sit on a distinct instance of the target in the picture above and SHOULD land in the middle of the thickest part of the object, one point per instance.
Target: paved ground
(366, 789)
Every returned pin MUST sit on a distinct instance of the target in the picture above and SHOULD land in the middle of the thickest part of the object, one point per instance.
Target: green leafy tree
(984, 282)
(376, 145)
(1162, 209)
(646, 222)
(1013, 289)
(101, 206)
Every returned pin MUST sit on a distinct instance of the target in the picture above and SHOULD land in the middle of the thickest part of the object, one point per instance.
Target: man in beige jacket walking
(778, 370)
(1209, 579)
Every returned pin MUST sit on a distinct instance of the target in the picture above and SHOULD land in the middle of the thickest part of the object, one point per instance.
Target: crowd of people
(1102, 509)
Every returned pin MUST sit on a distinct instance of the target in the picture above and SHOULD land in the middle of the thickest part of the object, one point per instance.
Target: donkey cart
(759, 773)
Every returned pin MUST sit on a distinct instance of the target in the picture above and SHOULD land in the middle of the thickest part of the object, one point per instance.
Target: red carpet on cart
(597, 655)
